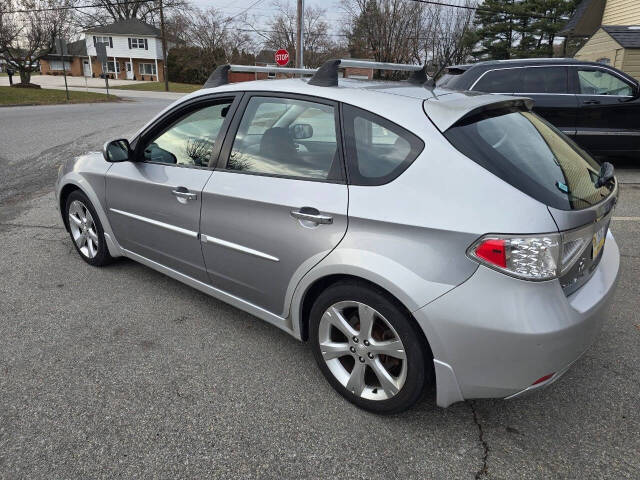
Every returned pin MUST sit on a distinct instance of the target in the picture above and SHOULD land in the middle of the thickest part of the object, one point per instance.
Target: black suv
(595, 104)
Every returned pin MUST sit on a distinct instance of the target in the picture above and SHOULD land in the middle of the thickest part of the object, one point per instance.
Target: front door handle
(592, 102)
(183, 195)
(311, 215)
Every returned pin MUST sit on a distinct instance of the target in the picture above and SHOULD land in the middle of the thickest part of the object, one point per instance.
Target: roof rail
(220, 75)
(327, 74)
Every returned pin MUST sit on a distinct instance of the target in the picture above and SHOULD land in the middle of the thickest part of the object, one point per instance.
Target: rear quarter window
(378, 150)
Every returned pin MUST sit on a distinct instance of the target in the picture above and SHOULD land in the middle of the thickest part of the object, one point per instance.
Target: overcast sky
(266, 8)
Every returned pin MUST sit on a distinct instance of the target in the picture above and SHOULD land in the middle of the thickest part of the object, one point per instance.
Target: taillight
(533, 257)
(527, 257)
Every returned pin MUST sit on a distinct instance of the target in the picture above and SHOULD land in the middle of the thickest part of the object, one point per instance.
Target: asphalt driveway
(123, 372)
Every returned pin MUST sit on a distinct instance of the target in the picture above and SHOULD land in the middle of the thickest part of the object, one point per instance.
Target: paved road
(35, 140)
(122, 372)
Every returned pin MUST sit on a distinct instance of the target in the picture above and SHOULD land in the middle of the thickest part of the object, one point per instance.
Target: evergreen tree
(520, 28)
(496, 29)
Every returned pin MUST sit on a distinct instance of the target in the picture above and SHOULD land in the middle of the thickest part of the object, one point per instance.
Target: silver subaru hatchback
(410, 234)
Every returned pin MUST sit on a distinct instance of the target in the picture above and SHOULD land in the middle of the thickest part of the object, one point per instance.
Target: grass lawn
(159, 87)
(43, 96)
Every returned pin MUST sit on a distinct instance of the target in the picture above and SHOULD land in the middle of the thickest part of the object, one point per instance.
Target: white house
(134, 52)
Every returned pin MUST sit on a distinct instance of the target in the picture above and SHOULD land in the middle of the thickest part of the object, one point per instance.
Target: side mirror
(300, 131)
(117, 150)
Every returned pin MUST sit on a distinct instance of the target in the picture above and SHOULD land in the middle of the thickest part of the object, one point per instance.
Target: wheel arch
(66, 190)
(74, 181)
(313, 290)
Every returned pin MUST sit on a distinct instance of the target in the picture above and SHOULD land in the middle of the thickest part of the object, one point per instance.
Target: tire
(86, 230)
(353, 365)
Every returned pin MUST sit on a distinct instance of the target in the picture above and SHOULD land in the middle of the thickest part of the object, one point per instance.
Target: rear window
(533, 156)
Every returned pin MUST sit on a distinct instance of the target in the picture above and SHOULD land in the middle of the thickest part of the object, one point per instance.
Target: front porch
(125, 68)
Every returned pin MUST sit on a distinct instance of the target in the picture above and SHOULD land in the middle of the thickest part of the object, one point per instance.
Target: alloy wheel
(362, 350)
(83, 229)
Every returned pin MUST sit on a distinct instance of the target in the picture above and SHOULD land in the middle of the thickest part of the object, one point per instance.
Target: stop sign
(282, 57)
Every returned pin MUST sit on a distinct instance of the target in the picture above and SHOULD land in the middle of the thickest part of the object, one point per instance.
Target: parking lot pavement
(122, 372)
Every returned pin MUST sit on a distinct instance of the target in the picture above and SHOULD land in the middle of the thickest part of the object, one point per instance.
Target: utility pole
(164, 50)
(300, 36)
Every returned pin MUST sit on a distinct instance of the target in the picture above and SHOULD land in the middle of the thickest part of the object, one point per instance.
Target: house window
(137, 42)
(56, 65)
(147, 69)
(113, 66)
(102, 40)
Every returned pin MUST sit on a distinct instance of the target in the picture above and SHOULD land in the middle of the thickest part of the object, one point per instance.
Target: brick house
(134, 52)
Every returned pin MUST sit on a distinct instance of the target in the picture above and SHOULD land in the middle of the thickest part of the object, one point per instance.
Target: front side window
(189, 141)
(147, 69)
(524, 150)
(287, 137)
(378, 150)
(506, 80)
(544, 80)
(598, 82)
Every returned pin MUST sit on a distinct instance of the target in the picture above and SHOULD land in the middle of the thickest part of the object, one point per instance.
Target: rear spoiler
(450, 108)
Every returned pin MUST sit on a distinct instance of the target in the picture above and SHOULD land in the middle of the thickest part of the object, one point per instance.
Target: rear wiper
(606, 174)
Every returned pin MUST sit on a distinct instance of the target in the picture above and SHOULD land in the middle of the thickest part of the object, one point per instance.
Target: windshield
(533, 156)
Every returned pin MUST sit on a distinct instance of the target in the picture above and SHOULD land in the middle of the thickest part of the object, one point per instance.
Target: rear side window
(377, 149)
(544, 80)
(524, 150)
(507, 80)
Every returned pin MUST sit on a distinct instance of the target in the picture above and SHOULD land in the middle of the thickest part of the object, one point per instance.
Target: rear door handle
(183, 195)
(311, 215)
(591, 102)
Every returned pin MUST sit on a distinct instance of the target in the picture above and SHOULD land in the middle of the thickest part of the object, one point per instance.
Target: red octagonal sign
(282, 57)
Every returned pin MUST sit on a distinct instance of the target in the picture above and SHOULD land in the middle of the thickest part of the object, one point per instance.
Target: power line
(246, 9)
(74, 7)
(484, 9)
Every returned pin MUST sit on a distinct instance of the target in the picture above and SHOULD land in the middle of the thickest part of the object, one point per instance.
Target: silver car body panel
(408, 236)
(253, 212)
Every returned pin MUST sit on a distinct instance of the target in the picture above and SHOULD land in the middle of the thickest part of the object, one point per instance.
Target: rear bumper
(494, 336)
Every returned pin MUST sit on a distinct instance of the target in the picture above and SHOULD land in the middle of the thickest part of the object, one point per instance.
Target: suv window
(506, 80)
(287, 137)
(598, 82)
(190, 140)
(543, 80)
(378, 150)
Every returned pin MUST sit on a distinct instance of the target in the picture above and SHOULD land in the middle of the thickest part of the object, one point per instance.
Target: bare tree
(386, 30)
(447, 34)
(29, 35)
(318, 45)
(213, 32)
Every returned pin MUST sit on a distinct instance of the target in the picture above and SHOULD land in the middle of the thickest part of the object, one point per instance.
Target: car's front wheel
(86, 230)
(368, 348)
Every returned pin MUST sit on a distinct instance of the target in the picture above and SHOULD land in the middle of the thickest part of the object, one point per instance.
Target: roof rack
(325, 76)
(220, 75)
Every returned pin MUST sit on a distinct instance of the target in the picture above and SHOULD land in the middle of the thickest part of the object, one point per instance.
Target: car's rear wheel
(368, 348)
(86, 230)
